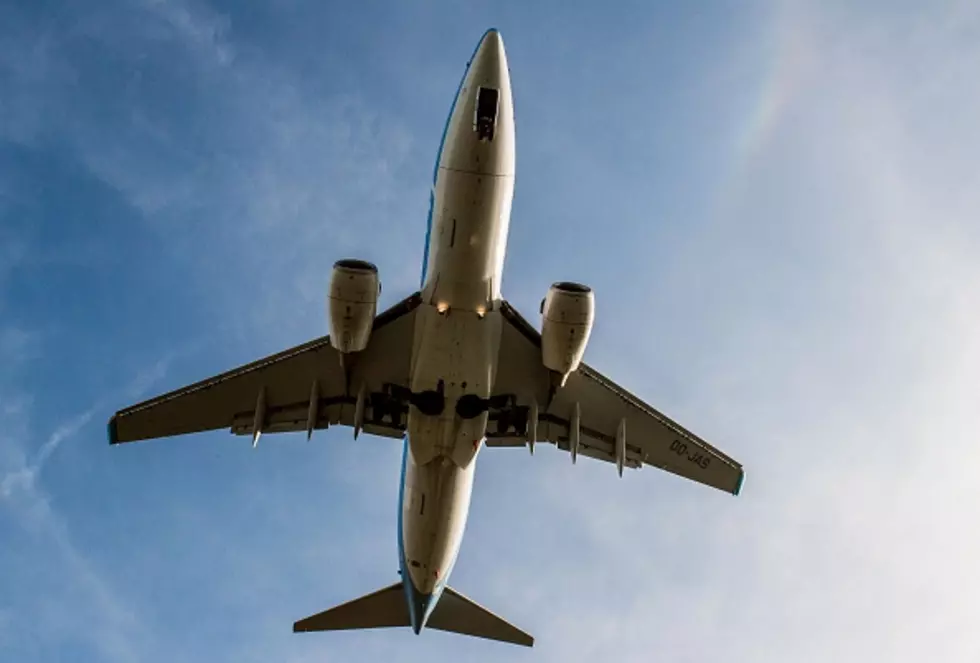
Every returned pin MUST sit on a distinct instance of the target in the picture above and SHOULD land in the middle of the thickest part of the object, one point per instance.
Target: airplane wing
(303, 388)
(614, 425)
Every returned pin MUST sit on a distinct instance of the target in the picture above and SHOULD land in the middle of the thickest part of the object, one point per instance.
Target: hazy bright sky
(777, 204)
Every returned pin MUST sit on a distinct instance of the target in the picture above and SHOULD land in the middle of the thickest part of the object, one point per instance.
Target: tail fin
(458, 614)
(385, 607)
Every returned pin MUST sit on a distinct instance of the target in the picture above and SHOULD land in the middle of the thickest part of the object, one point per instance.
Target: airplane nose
(490, 60)
(492, 39)
(479, 137)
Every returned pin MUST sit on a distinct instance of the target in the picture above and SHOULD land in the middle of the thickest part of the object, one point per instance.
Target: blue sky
(775, 203)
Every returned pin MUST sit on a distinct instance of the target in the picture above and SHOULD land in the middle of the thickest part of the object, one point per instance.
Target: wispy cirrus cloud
(57, 595)
(24, 478)
(60, 597)
(801, 293)
(282, 180)
(836, 355)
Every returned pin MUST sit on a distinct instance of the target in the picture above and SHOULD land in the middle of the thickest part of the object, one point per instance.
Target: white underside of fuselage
(457, 327)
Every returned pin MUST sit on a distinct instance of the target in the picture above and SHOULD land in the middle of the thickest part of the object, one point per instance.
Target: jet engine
(353, 304)
(567, 315)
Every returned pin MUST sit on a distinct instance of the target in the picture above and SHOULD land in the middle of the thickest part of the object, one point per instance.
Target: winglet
(741, 480)
(111, 430)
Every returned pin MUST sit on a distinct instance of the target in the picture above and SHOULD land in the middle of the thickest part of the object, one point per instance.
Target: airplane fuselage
(458, 327)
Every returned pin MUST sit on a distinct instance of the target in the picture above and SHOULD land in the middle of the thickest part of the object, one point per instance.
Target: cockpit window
(486, 112)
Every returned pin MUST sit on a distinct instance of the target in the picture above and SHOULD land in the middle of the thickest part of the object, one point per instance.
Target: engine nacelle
(353, 304)
(567, 315)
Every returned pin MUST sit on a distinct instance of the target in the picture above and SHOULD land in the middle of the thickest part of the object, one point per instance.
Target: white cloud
(843, 371)
(822, 329)
(71, 601)
(25, 477)
(74, 603)
(201, 30)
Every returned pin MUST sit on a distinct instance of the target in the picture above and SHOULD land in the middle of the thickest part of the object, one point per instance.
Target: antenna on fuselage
(532, 426)
(359, 410)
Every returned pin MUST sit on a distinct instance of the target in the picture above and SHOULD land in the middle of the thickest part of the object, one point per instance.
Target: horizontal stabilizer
(385, 607)
(458, 614)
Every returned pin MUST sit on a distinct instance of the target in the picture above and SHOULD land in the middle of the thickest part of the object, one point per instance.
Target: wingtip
(741, 480)
(111, 432)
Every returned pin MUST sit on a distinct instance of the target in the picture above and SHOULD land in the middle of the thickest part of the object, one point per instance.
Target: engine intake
(567, 315)
(353, 304)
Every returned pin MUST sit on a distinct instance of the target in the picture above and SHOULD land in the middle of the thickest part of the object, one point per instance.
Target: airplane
(449, 370)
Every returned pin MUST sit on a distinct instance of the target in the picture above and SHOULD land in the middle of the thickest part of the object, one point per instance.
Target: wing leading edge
(613, 424)
(303, 388)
